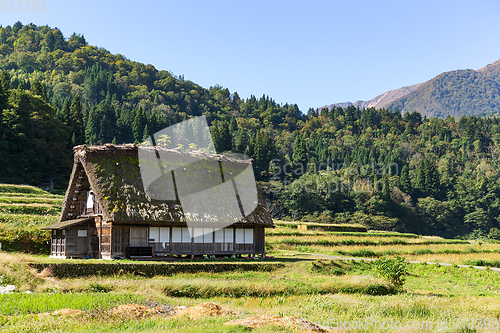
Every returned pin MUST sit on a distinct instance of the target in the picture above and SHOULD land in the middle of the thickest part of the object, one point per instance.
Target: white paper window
(240, 236)
(208, 235)
(164, 234)
(219, 236)
(248, 236)
(198, 235)
(160, 234)
(228, 235)
(176, 235)
(186, 237)
(82, 233)
(154, 233)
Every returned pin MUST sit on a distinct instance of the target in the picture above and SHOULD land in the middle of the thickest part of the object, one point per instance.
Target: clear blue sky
(307, 52)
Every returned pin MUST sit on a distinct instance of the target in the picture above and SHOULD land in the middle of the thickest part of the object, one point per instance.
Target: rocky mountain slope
(455, 93)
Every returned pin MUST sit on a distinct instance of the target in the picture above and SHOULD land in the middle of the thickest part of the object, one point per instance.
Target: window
(90, 199)
(203, 235)
(82, 233)
(160, 234)
(181, 235)
(244, 236)
(208, 236)
(176, 235)
(228, 235)
(248, 236)
(224, 235)
(186, 237)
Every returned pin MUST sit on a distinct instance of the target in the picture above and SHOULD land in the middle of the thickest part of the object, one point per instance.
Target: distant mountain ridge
(455, 93)
(380, 101)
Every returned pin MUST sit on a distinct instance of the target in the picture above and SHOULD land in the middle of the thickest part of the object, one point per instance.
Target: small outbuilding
(107, 212)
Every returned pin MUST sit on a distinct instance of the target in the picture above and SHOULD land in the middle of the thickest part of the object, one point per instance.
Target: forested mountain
(377, 167)
(456, 93)
(381, 101)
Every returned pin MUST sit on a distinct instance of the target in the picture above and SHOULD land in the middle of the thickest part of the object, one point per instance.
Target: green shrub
(394, 270)
(494, 234)
(327, 267)
(98, 288)
(360, 253)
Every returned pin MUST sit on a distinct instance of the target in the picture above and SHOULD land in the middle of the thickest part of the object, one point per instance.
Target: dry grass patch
(288, 321)
(15, 270)
(207, 309)
(455, 258)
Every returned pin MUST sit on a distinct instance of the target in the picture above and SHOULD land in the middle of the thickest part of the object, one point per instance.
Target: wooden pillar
(100, 237)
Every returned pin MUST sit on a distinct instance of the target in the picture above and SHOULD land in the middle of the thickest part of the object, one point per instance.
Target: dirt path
(371, 259)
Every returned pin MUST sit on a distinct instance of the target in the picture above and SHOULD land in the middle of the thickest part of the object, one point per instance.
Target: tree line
(384, 169)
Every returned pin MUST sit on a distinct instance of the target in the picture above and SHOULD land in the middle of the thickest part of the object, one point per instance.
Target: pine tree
(65, 113)
(5, 81)
(404, 180)
(419, 184)
(427, 178)
(36, 88)
(299, 156)
(249, 151)
(3, 99)
(92, 127)
(138, 124)
(431, 179)
(76, 121)
(221, 137)
(233, 126)
(264, 152)
(241, 143)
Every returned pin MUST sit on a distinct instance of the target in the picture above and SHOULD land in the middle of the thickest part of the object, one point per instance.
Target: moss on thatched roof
(113, 172)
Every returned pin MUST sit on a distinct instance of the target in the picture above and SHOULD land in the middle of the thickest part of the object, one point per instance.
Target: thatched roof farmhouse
(108, 213)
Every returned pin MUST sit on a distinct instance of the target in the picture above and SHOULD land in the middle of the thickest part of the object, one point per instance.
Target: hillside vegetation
(23, 211)
(379, 168)
(456, 93)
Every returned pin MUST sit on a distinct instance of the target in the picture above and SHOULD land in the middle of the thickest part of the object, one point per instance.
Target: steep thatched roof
(114, 174)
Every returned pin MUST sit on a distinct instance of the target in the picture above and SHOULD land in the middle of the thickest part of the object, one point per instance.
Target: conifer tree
(76, 121)
(36, 88)
(221, 137)
(5, 81)
(419, 184)
(405, 180)
(241, 143)
(233, 126)
(299, 156)
(65, 113)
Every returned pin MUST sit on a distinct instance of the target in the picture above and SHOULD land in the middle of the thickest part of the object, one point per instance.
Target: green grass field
(23, 210)
(317, 289)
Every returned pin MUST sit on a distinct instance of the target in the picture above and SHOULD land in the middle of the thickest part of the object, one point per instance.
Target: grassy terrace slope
(375, 244)
(23, 210)
(352, 292)
(292, 284)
